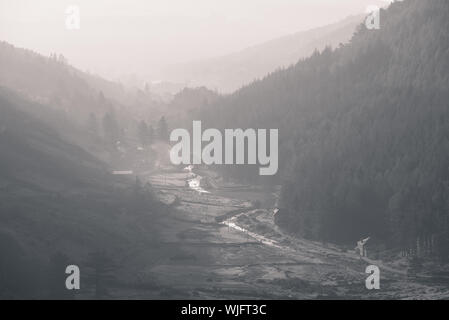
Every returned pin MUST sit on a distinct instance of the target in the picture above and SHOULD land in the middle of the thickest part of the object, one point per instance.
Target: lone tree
(145, 134)
(162, 129)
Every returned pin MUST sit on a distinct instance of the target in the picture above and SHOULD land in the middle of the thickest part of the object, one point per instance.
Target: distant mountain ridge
(230, 72)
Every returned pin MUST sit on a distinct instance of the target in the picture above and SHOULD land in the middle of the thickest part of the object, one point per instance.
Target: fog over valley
(253, 150)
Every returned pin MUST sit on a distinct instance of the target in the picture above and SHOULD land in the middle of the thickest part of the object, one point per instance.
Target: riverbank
(207, 253)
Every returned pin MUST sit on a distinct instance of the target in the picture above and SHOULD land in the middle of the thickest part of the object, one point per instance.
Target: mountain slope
(52, 81)
(364, 132)
(58, 205)
(232, 71)
(84, 109)
(31, 150)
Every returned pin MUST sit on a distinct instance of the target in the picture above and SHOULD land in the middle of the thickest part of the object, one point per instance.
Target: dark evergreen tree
(144, 134)
(163, 129)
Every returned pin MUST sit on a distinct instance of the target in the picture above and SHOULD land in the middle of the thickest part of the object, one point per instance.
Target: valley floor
(215, 245)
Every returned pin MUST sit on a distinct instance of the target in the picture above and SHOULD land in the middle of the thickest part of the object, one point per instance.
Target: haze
(120, 37)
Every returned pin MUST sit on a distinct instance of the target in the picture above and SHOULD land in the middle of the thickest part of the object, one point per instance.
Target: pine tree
(163, 130)
(144, 134)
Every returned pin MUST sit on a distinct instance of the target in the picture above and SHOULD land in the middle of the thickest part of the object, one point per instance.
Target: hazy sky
(133, 36)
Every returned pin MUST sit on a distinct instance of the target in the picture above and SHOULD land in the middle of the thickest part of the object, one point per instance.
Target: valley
(216, 245)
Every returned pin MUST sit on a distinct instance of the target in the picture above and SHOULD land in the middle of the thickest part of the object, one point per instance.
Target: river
(217, 245)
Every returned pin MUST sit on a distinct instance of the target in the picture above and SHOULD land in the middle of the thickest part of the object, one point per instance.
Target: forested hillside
(58, 203)
(85, 110)
(364, 132)
(62, 133)
(52, 80)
